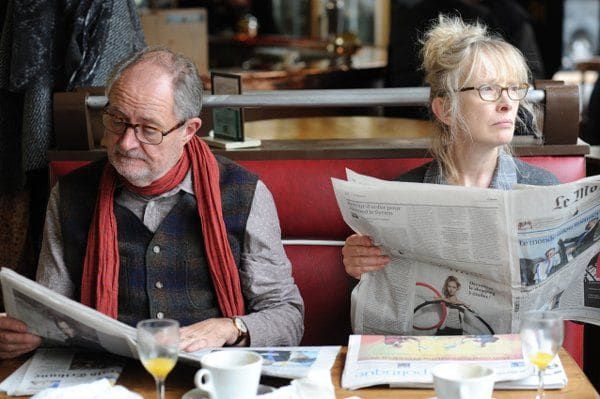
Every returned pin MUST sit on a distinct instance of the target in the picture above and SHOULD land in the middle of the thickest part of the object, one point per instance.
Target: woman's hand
(361, 256)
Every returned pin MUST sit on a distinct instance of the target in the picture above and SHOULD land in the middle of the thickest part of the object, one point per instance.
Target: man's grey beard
(135, 153)
(119, 160)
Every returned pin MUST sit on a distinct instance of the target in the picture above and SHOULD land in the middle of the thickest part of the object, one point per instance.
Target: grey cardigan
(509, 171)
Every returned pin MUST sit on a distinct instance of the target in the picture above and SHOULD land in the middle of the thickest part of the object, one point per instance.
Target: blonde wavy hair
(453, 52)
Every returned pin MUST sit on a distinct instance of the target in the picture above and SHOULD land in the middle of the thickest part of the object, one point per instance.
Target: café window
(292, 17)
(321, 19)
(358, 17)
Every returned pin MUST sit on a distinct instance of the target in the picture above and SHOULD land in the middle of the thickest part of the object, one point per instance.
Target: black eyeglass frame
(502, 88)
(135, 127)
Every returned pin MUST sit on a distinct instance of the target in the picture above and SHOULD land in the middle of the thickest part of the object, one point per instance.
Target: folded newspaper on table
(406, 361)
(291, 361)
(62, 321)
(59, 368)
(470, 260)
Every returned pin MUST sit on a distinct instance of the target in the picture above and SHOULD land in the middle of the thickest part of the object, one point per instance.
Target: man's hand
(361, 256)
(208, 333)
(14, 338)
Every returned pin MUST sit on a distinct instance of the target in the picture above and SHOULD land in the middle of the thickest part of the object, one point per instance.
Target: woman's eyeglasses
(489, 92)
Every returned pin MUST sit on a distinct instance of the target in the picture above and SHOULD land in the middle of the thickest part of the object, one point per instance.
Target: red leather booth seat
(307, 210)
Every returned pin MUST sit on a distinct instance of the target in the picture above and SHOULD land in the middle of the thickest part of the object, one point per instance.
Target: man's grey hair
(187, 87)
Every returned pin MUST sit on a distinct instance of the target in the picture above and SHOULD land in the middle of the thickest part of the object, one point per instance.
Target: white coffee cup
(463, 381)
(229, 374)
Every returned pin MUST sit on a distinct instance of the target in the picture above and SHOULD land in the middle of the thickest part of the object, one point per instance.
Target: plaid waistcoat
(163, 271)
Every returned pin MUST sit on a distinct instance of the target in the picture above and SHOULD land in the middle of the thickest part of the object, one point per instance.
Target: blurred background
(324, 44)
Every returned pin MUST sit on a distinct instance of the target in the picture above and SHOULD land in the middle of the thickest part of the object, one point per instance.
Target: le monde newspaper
(470, 260)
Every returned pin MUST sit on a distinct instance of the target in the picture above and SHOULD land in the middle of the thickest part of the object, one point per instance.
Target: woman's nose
(504, 102)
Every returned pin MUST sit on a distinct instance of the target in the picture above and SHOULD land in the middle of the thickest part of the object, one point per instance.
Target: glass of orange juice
(158, 348)
(541, 337)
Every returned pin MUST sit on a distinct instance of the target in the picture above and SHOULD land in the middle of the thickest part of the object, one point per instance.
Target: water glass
(541, 337)
(158, 348)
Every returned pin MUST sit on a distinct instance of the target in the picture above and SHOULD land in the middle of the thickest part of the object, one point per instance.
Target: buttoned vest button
(160, 315)
(158, 285)
(156, 249)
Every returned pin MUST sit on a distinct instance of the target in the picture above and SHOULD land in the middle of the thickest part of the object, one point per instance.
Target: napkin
(95, 390)
(316, 385)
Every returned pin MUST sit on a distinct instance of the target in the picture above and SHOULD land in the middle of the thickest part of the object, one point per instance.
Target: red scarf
(100, 280)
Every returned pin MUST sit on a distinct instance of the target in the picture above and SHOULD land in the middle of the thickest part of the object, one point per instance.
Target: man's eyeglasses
(145, 134)
(489, 92)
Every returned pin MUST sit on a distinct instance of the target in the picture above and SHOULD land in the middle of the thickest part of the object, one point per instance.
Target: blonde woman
(477, 83)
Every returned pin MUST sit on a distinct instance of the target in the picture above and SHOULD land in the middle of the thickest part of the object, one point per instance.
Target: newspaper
(471, 260)
(60, 367)
(64, 322)
(291, 361)
(406, 361)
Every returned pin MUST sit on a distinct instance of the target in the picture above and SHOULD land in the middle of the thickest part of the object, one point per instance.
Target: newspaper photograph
(406, 361)
(471, 260)
(467, 305)
(60, 367)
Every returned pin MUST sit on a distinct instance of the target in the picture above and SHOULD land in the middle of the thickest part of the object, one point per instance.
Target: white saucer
(197, 394)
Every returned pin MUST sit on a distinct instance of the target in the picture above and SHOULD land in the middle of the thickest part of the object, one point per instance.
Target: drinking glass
(158, 347)
(541, 337)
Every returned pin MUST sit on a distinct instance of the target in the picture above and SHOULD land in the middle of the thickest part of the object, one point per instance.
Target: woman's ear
(438, 106)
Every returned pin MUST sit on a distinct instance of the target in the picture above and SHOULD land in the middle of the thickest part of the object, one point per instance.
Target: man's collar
(185, 185)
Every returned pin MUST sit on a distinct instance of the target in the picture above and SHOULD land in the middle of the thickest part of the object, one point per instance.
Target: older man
(165, 229)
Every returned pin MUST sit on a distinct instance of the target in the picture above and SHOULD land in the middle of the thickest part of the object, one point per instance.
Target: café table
(135, 378)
